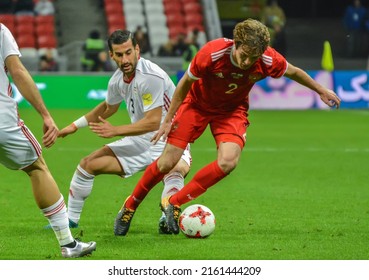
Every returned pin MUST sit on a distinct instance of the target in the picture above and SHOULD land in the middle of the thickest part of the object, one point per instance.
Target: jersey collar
(231, 56)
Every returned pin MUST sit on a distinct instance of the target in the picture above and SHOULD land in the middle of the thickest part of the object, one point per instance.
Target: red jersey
(221, 86)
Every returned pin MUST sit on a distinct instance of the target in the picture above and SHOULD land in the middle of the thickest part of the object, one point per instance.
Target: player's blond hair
(253, 35)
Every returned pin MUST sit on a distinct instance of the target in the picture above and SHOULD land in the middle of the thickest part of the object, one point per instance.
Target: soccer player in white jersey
(147, 91)
(19, 149)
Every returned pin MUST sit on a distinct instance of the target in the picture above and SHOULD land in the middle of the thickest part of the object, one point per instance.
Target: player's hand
(162, 132)
(104, 128)
(50, 132)
(330, 98)
(70, 129)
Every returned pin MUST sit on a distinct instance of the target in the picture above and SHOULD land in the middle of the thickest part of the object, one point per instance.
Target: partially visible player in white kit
(147, 91)
(20, 150)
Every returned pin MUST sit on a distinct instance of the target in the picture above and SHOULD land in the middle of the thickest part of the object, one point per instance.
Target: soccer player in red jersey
(215, 91)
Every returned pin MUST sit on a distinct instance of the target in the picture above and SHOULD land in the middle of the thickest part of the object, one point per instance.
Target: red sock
(203, 179)
(149, 179)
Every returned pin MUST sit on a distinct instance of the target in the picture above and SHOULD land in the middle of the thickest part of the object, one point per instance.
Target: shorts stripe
(10, 90)
(32, 139)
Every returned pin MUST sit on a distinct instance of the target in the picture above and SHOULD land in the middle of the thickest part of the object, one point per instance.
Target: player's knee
(83, 162)
(182, 167)
(227, 165)
(87, 164)
(165, 166)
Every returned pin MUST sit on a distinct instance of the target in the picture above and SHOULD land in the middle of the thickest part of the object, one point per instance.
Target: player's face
(126, 57)
(244, 58)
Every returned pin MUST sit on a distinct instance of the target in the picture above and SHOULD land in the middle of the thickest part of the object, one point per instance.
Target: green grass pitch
(300, 192)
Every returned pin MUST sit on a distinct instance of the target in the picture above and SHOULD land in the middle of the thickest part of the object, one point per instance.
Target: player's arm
(300, 76)
(27, 87)
(179, 95)
(103, 110)
(150, 122)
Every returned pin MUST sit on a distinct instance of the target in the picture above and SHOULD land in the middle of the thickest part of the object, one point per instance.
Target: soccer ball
(197, 221)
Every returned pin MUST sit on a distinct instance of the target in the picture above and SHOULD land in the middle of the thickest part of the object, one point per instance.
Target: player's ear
(237, 44)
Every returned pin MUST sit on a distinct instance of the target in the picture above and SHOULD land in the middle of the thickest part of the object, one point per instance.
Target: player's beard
(128, 68)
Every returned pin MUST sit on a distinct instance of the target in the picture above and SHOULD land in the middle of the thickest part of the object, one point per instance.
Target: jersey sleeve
(152, 92)
(200, 63)
(8, 44)
(113, 95)
(275, 62)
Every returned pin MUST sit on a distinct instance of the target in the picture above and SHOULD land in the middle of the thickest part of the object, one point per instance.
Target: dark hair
(95, 34)
(119, 37)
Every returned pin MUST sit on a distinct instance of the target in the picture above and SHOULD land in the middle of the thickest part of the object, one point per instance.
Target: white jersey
(151, 87)
(8, 106)
(18, 146)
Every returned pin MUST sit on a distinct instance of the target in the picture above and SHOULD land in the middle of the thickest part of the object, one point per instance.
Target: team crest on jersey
(236, 75)
(219, 75)
(255, 78)
(147, 99)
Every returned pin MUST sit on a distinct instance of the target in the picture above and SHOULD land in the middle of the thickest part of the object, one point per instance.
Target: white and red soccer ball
(197, 221)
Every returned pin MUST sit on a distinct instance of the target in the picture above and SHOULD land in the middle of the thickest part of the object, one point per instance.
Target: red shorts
(190, 122)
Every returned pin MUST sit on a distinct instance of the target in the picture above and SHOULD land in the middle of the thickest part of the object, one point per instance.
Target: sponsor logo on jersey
(255, 78)
(147, 99)
(219, 75)
(236, 75)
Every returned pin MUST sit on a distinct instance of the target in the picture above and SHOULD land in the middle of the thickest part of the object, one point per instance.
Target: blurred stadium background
(309, 24)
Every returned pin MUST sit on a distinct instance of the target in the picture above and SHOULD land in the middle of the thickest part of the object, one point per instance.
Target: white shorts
(18, 147)
(135, 153)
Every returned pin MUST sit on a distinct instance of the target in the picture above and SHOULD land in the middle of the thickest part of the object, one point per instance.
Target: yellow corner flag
(327, 58)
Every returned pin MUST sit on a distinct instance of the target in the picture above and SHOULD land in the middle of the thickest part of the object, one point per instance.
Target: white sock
(58, 219)
(80, 189)
(173, 182)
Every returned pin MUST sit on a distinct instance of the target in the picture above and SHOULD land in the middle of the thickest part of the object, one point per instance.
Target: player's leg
(49, 199)
(192, 123)
(206, 177)
(134, 153)
(174, 182)
(230, 135)
(51, 203)
(102, 161)
(228, 156)
(153, 174)
(150, 178)
(21, 150)
(191, 127)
